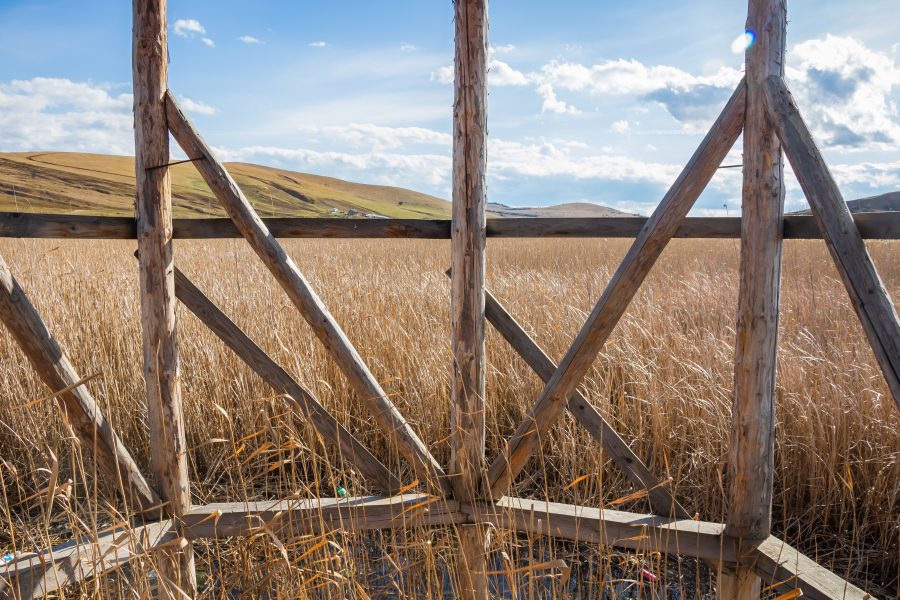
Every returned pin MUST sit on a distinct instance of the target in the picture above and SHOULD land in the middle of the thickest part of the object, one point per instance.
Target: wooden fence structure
(470, 492)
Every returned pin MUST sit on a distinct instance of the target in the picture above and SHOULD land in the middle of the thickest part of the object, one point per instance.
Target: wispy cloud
(319, 44)
(379, 137)
(249, 39)
(404, 47)
(505, 49)
(200, 108)
(189, 27)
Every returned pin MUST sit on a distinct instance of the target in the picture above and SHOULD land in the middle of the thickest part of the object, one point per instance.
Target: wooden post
(751, 455)
(621, 288)
(153, 208)
(468, 241)
(76, 404)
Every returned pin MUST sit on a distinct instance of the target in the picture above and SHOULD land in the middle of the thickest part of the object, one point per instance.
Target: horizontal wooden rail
(778, 563)
(873, 226)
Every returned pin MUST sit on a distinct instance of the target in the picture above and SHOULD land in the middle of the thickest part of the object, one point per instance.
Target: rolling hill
(883, 203)
(98, 184)
(569, 209)
(57, 182)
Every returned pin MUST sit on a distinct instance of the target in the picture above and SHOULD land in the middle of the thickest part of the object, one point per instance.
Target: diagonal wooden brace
(281, 381)
(76, 404)
(306, 300)
(661, 500)
(618, 294)
(867, 293)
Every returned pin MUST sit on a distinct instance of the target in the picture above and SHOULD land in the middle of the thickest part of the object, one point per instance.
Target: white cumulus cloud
(249, 39)
(189, 27)
(46, 113)
(844, 91)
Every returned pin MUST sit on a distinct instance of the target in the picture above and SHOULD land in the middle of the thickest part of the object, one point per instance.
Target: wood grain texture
(307, 301)
(621, 529)
(467, 254)
(36, 575)
(782, 566)
(618, 294)
(661, 500)
(873, 226)
(77, 406)
(153, 210)
(868, 295)
(472, 561)
(751, 454)
(321, 515)
(282, 382)
(467, 251)
(777, 562)
(752, 450)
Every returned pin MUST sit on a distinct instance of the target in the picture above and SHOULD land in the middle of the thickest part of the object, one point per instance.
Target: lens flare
(743, 42)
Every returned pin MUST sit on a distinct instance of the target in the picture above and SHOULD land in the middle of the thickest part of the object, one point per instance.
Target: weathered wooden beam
(306, 300)
(467, 252)
(867, 293)
(751, 455)
(661, 500)
(618, 294)
(153, 210)
(35, 575)
(77, 405)
(282, 382)
(872, 226)
(785, 568)
(621, 529)
(71, 563)
(321, 515)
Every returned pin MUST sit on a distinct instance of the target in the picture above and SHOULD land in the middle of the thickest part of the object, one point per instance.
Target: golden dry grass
(664, 381)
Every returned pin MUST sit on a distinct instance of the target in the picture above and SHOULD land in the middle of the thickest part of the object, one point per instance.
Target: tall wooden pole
(468, 240)
(153, 209)
(751, 455)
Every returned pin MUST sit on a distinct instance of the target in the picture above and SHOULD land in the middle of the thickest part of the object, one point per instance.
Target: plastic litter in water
(342, 492)
(7, 558)
(648, 575)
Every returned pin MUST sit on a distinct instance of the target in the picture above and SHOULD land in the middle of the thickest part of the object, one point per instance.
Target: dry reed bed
(664, 381)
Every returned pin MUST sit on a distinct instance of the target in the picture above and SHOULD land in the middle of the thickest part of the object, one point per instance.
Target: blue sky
(589, 101)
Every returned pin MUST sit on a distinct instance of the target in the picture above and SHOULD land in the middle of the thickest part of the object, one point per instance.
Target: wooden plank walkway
(35, 575)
